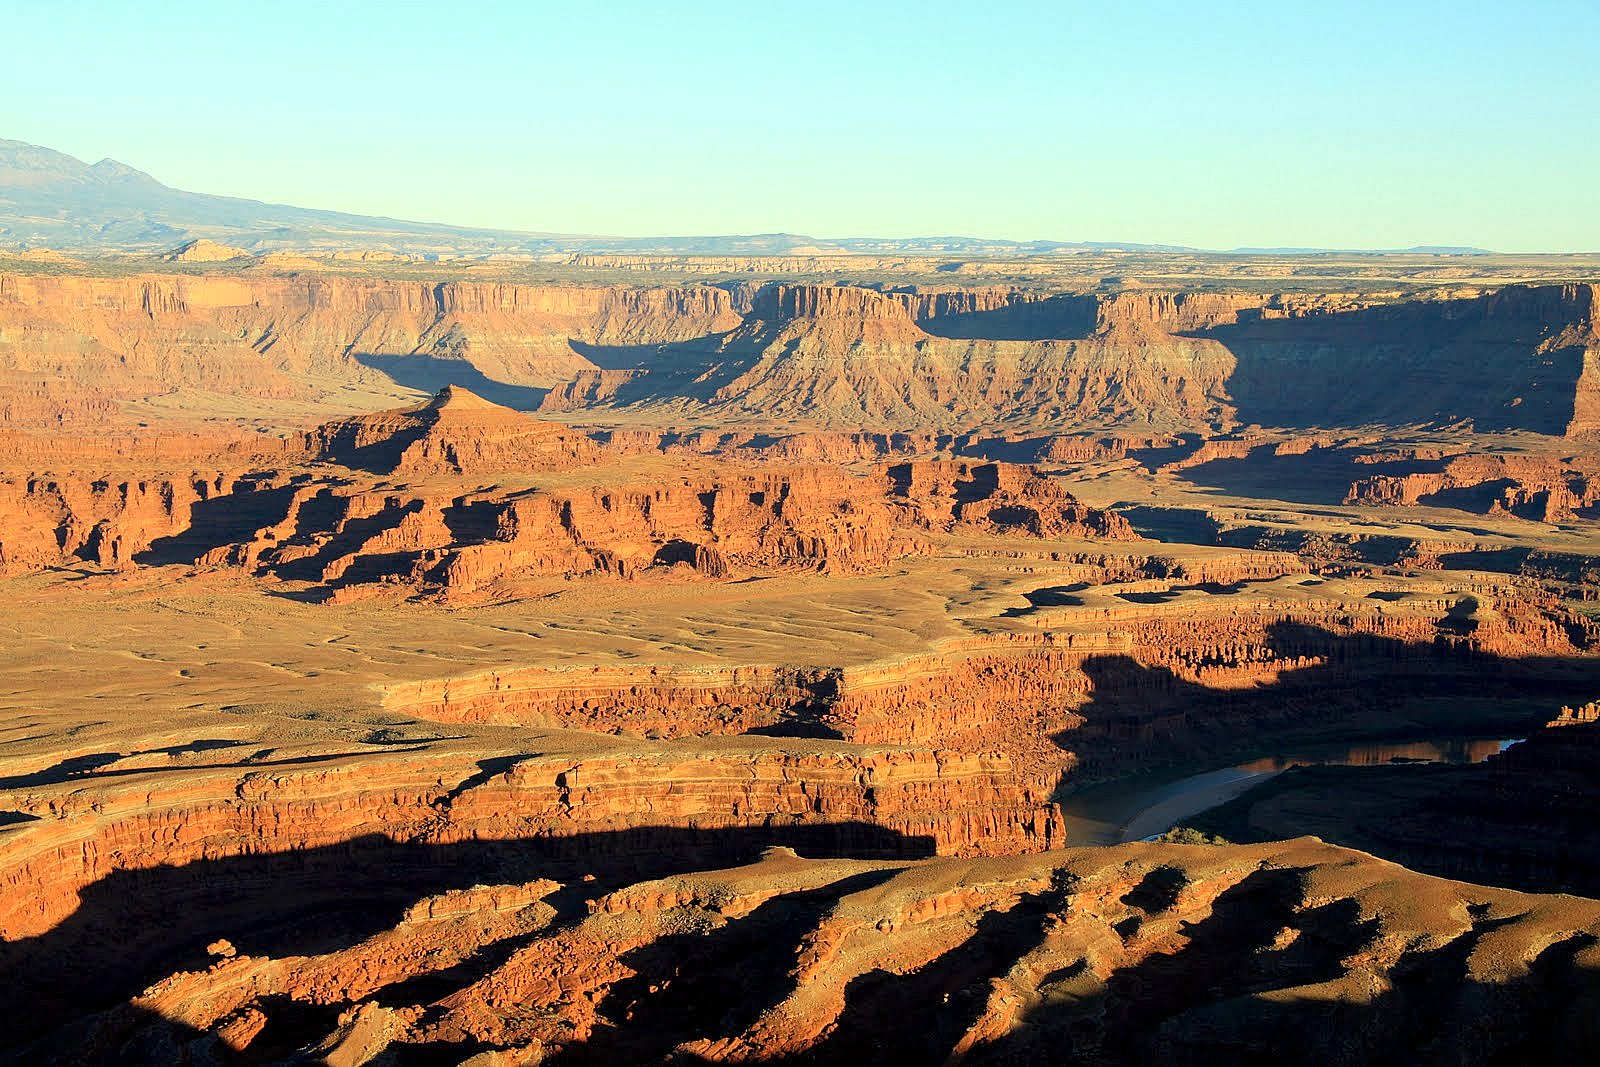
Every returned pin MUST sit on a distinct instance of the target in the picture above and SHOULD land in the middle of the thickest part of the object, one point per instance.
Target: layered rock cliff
(1516, 358)
(1534, 487)
(329, 521)
(259, 336)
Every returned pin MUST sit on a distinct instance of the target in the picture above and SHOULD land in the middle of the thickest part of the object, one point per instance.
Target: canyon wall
(1151, 685)
(1508, 359)
(1516, 358)
(259, 336)
(843, 356)
(1546, 489)
(665, 800)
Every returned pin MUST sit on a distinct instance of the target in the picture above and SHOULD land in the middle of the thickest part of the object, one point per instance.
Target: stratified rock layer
(849, 357)
(443, 528)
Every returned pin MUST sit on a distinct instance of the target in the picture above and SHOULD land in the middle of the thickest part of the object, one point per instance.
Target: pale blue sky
(1349, 124)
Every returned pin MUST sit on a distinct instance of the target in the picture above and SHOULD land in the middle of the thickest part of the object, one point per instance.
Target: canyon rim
(498, 644)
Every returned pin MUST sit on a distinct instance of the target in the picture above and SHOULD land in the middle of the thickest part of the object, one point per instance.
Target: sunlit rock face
(418, 663)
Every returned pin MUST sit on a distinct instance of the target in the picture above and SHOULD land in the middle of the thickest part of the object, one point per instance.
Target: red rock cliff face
(999, 497)
(1510, 359)
(855, 357)
(918, 802)
(1149, 686)
(1528, 486)
(447, 531)
(243, 334)
(48, 521)
(839, 355)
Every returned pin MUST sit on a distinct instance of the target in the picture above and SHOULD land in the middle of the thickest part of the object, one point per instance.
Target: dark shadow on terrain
(1522, 819)
(1330, 477)
(1321, 476)
(918, 1017)
(1204, 1004)
(688, 370)
(1054, 596)
(318, 595)
(353, 534)
(664, 359)
(429, 374)
(1153, 458)
(809, 717)
(1194, 526)
(1412, 363)
(1140, 716)
(1155, 597)
(134, 927)
(1239, 986)
(1183, 526)
(1157, 891)
(125, 1035)
(706, 984)
(87, 765)
(220, 521)
(1068, 317)
(91, 771)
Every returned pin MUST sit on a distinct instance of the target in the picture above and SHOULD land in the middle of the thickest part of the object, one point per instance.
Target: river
(1134, 809)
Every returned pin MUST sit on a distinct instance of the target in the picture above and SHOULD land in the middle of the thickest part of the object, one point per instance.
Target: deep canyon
(672, 659)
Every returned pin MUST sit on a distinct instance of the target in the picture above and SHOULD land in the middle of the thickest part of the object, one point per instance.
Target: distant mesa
(287, 261)
(45, 255)
(371, 255)
(456, 432)
(204, 251)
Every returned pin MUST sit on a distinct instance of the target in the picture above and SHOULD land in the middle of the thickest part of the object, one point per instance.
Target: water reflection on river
(1135, 809)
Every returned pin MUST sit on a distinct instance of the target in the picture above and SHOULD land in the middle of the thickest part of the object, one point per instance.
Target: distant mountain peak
(24, 164)
(48, 198)
(111, 170)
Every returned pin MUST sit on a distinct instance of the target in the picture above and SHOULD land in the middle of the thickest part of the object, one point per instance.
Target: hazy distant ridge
(49, 199)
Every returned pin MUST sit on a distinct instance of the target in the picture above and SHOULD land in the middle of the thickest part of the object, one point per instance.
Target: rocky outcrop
(326, 520)
(204, 251)
(1545, 489)
(343, 533)
(1144, 953)
(50, 521)
(839, 447)
(457, 432)
(997, 497)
